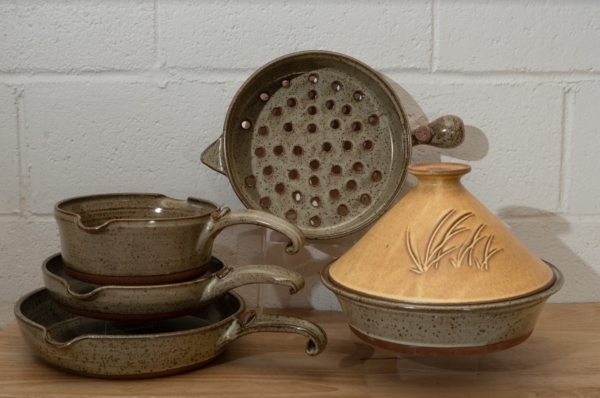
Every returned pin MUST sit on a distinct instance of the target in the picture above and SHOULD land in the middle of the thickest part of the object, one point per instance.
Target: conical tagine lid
(440, 245)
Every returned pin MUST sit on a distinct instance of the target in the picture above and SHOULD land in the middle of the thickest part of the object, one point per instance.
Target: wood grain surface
(560, 359)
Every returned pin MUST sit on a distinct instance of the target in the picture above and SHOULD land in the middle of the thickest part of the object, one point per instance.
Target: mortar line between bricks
(22, 151)
(157, 50)
(554, 217)
(434, 38)
(565, 154)
(216, 75)
(20, 217)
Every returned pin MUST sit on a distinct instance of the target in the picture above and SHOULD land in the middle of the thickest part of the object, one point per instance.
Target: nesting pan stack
(136, 292)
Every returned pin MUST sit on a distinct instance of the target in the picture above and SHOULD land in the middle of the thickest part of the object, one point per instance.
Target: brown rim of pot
(553, 287)
(136, 376)
(408, 141)
(149, 280)
(430, 351)
(122, 287)
(132, 317)
(57, 208)
(50, 341)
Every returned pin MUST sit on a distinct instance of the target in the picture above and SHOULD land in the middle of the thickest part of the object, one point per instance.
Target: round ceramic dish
(322, 140)
(122, 350)
(148, 303)
(442, 330)
(148, 239)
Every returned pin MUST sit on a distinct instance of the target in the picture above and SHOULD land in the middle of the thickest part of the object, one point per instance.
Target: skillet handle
(229, 278)
(445, 132)
(214, 156)
(250, 322)
(226, 217)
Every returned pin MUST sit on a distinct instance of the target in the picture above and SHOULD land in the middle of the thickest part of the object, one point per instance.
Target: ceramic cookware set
(136, 292)
(317, 145)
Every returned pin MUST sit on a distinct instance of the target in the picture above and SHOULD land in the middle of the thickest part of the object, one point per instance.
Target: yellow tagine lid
(440, 245)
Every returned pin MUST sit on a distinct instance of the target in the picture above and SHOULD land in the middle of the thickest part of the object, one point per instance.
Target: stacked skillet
(135, 292)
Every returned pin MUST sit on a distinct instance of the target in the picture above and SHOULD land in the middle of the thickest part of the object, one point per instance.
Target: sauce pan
(148, 239)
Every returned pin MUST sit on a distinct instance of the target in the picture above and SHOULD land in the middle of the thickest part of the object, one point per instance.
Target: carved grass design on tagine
(439, 246)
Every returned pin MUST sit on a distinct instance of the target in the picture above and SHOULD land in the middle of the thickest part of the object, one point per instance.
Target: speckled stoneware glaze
(148, 239)
(155, 302)
(122, 350)
(440, 245)
(322, 140)
(442, 330)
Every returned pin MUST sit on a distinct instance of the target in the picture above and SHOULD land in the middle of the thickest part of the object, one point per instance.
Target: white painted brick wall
(124, 96)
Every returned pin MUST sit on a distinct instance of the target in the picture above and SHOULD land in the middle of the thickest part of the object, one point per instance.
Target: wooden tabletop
(560, 359)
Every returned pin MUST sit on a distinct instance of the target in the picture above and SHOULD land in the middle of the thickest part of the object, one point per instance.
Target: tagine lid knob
(440, 245)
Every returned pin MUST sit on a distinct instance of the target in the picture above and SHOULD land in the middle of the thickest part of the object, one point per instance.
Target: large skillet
(121, 350)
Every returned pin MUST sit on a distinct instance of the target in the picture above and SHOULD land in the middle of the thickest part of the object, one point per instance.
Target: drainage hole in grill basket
(351, 185)
(280, 188)
(342, 210)
(313, 181)
(373, 119)
(335, 124)
(334, 194)
(264, 96)
(297, 150)
(316, 201)
(246, 124)
(291, 102)
(265, 202)
(263, 130)
(367, 145)
(336, 169)
(293, 174)
(357, 126)
(377, 176)
(288, 127)
(286, 83)
(330, 104)
(315, 221)
(336, 86)
(312, 110)
(297, 196)
(250, 181)
(291, 215)
(313, 78)
(358, 167)
(260, 152)
(312, 94)
(278, 150)
(346, 109)
(312, 128)
(268, 170)
(365, 199)
(277, 111)
(327, 146)
(314, 164)
(359, 95)
(347, 145)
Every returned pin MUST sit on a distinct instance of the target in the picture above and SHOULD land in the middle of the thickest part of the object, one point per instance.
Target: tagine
(440, 275)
